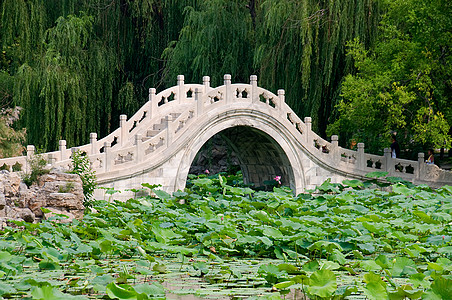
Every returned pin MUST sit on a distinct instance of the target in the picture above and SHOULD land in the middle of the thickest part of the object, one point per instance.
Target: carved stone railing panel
(374, 162)
(216, 95)
(404, 166)
(348, 156)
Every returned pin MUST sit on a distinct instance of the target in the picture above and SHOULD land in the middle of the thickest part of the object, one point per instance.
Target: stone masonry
(59, 192)
(160, 142)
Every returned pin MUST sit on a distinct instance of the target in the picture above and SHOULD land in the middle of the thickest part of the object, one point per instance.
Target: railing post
(227, 83)
(123, 130)
(335, 148)
(253, 82)
(389, 161)
(199, 102)
(421, 165)
(107, 148)
(62, 148)
(308, 122)
(360, 157)
(281, 96)
(153, 103)
(138, 145)
(180, 83)
(93, 142)
(206, 83)
(30, 153)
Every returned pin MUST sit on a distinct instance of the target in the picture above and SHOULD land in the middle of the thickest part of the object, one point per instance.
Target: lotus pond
(221, 240)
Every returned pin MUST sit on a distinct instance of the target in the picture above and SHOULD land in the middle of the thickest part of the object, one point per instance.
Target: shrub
(81, 165)
(37, 167)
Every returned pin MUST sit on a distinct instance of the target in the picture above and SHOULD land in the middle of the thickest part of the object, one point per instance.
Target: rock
(20, 213)
(36, 205)
(11, 185)
(57, 191)
(51, 177)
(2, 201)
(55, 212)
(66, 200)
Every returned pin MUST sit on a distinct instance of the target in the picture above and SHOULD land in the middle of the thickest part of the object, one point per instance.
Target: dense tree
(295, 45)
(403, 82)
(301, 47)
(77, 64)
(217, 38)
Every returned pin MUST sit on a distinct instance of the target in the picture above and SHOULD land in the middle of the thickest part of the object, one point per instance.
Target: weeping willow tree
(215, 40)
(78, 64)
(58, 90)
(291, 44)
(301, 47)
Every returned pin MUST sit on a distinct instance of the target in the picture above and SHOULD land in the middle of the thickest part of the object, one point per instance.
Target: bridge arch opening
(254, 152)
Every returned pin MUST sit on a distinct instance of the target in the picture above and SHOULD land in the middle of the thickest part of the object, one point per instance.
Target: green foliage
(403, 82)
(36, 167)
(300, 47)
(81, 165)
(215, 40)
(75, 66)
(11, 140)
(66, 188)
(228, 235)
(296, 45)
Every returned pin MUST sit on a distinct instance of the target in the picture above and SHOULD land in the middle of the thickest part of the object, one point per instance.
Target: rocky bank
(58, 192)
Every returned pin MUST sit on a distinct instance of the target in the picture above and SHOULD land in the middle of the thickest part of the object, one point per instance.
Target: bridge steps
(157, 128)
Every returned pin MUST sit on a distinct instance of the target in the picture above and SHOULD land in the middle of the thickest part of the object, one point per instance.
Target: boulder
(59, 192)
(62, 216)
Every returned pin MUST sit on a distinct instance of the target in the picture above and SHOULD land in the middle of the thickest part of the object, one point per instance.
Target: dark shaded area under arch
(256, 154)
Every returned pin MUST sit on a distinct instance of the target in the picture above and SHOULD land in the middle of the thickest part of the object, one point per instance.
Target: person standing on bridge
(395, 149)
(431, 159)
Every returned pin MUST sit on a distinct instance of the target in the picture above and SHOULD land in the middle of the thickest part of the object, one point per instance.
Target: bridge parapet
(168, 116)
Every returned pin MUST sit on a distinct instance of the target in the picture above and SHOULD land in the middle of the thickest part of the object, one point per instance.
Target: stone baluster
(180, 98)
(308, 123)
(122, 130)
(93, 142)
(420, 166)
(199, 102)
(228, 93)
(107, 162)
(254, 95)
(334, 152)
(281, 96)
(153, 103)
(139, 145)
(206, 83)
(30, 152)
(62, 148)
(389, 161)
(361, 159)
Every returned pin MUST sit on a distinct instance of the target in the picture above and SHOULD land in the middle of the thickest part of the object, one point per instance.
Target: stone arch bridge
(159, 143)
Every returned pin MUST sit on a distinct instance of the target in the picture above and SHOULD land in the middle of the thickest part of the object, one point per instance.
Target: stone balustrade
(170, 118)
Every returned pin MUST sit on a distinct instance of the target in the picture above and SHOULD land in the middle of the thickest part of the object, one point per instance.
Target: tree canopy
(360, 66)
(403, 83)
